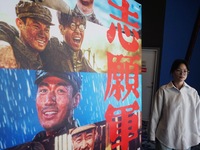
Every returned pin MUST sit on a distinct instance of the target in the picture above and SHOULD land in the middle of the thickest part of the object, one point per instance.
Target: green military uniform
(58, 56)
(24, 57)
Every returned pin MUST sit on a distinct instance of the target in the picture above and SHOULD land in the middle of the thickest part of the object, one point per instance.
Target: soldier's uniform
(58, 56)
(41, 141)
(16, 54)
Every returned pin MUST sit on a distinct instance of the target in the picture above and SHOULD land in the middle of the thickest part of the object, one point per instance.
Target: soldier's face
(84, 140)
(54, 103)
(73, 35)
(87, 2)
(34, 33)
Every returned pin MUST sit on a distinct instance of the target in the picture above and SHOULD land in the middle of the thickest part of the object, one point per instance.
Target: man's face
(34, 33)
(73, 36)
(54, 103)
(86, 2)
(84, 140)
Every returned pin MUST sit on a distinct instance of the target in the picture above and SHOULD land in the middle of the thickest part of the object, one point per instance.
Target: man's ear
(76, 99)
(19, 23)
(61, 29)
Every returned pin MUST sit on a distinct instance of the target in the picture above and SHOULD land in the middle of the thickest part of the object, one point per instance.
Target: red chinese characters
(122, 129)
(123, 77)
(122, 71)
(129, 46)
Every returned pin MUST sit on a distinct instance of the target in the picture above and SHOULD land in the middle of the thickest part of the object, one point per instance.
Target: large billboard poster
(70, 74)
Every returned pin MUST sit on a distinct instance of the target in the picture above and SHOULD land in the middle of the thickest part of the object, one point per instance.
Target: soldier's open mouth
(50, 113)
(41, 42)
(77, 40)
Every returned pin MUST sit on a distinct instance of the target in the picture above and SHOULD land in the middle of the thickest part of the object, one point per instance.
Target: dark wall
(193, 78)
(168, 25)
(153, 14)
(180, 18)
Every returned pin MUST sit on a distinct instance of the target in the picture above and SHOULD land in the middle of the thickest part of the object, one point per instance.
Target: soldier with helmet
(67, 55)
(58, 94)
(22, 48)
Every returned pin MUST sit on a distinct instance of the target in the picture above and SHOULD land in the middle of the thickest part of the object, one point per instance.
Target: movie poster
(70, 75)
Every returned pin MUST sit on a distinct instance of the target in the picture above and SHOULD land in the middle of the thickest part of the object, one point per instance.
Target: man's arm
(8, 32)
(7, 58)
(59, 5)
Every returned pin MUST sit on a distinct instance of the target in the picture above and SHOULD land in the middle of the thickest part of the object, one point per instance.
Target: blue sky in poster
(17, 105)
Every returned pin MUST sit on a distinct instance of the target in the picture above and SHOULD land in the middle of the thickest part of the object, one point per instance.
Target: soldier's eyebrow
(63, 84)
(77, 135)
(36, 21)
(43, 84)
(57, 84)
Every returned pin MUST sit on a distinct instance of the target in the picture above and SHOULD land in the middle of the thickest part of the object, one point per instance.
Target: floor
(147, 145)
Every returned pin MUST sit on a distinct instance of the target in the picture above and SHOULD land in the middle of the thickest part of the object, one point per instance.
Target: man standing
(58, 95)
(33, 21)
(68, 56)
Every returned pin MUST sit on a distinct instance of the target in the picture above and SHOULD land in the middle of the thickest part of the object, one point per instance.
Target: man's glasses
(74, 26)
(182, 71)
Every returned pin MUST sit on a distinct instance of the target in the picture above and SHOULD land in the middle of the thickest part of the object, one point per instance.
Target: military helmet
(74, 78)
(33, 10)
(66, 19)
